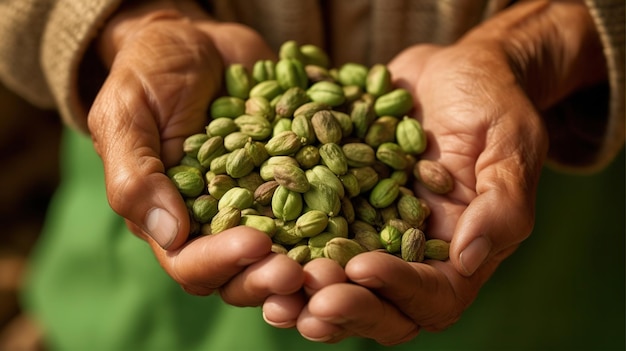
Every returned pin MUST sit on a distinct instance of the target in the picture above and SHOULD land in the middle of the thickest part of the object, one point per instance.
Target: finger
(425, 293)
(282, 311)
(209, 262)
(507, 174)
(274, 274)
(131, 138)
(359, 311)
(322, 272)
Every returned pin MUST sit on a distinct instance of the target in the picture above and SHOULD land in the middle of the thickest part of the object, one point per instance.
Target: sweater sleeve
(587, 129)
(42, 45)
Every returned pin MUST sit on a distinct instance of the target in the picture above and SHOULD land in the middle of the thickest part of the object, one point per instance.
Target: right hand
(166, 63)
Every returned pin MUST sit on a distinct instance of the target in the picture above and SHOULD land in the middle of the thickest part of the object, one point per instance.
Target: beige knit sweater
(44, 42)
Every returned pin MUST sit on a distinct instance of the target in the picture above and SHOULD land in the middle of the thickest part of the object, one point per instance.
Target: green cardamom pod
(188, 180)
(332, 156)
(321, 174)
(291, 177)
(220, 184)
(257, 152)
(267, 168)
(413, 246)
(302, 126)
(347, 210)
(437, 249)
(263, 70)
(259, 106)
(352, 74)
(225, 218)
(323, 198)
(289, 101)
(235, 140)
(210, 150)
(283, 144)
(397, 102)
(327, 128)
(411, 136)
(314, 55)
(239, 198)
(392, 155)
(227, 106)
(268, 89)
(434, 176)
(384, 193)
(364, 211)
(264, 193)
(378, 81)
(204, 207)
(285, 232)
(362, 116)
(308, 156)
(300, 254)
(359, 154)
(290, 73)
(345, 122)
(308, 109)
(316, 74)
(280, 125)
(326, 92)
(411, 210)
(391, 238)
(257, 127)
(290, 49)
(338, 225)
(366, 176)
(221, 126)
(382, 130)
(350, 184)
(261, 223)
(342, 250)
(366, 235)
(239, 163)
(279, 249)
(311, 223)
(192, 144)
(238, 81)
(286, 204)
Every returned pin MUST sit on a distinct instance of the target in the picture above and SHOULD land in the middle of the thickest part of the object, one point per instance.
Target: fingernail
(283, 325)
(474, 255)
(161, 226)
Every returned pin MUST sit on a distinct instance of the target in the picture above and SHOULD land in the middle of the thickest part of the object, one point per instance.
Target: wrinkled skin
(145, 109)
(475, 99)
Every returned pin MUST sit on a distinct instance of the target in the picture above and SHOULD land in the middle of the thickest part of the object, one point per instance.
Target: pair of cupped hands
(166, 64)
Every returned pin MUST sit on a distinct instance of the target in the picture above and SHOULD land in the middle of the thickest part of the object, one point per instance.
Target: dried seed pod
(397, 102)
(333, 157)
(413, 245)
(239, 198)
(311, 223)
(291, 177)
(326, 92)
(384, 193)
(225, 218)
(437, 249)
(342, 250)
(434, 176)
(238, 81)
(410, 136)
(286, 204)
(227, 106)
(264, 193)
(261, 223)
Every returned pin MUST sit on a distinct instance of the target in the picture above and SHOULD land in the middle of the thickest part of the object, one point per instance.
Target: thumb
(128, 138)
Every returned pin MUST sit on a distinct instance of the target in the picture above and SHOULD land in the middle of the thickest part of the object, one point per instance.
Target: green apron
(94, 286)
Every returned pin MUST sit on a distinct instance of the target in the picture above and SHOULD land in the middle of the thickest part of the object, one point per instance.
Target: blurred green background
(563, 289)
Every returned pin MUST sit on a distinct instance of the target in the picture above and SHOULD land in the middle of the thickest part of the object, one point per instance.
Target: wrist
(552, 47)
